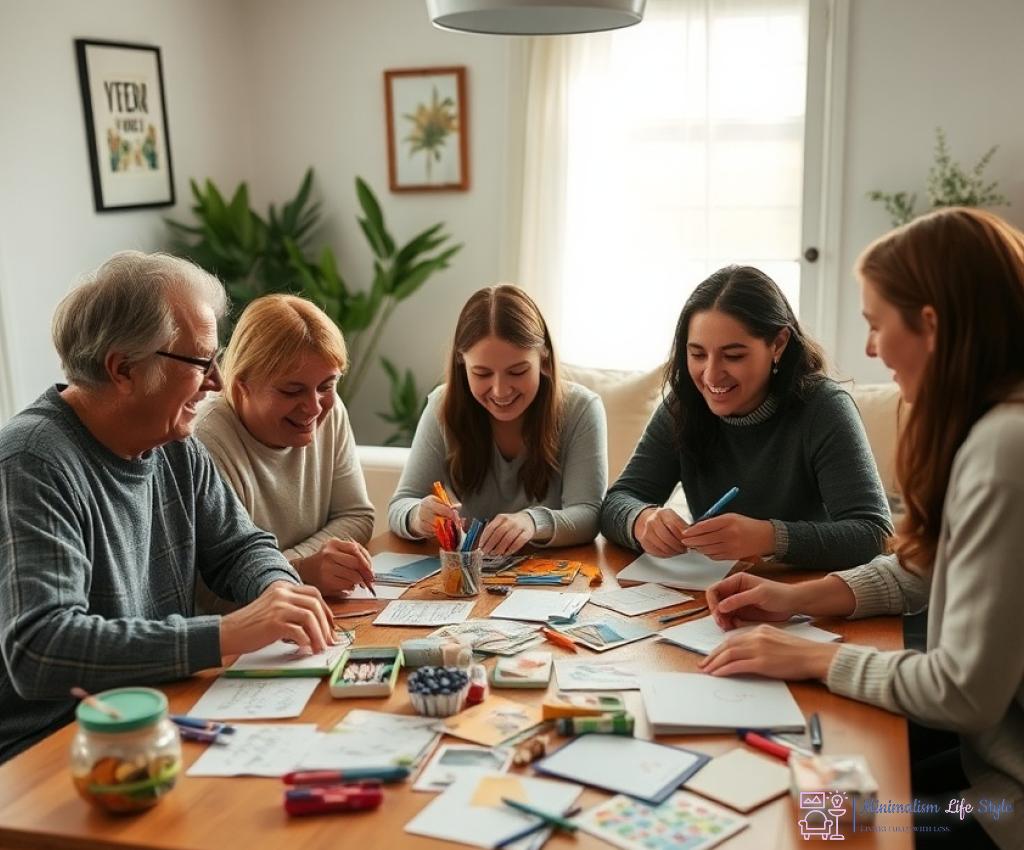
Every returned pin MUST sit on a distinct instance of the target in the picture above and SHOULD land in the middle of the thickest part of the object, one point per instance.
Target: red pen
(336, 798)
(765, 745)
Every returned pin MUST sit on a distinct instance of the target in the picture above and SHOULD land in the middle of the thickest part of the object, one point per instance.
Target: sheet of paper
(632, 825)
(287, 656)
(595, 676)
(383, 591)
(602, 635)
(494, 637)
(689, 571)
(254, 699)
(491, 789)
(623, 765)
(373, 739)
(640, 599)
(696, 702)
(452, 761)
(493, 722)
(703, 635)
(255, 749)
(741, 780)
(415, 612)
(538, 606)
(384, 562)
(451, 816)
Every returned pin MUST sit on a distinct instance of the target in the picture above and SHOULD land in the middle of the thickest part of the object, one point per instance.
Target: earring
(775, 367)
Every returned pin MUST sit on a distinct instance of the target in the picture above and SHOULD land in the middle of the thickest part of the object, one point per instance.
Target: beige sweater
(303, 496)
(971, 678)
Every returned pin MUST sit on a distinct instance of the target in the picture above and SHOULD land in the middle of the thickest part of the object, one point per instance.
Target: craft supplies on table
(619, 723)
(602, 635)
(456, 651)
(461, 573)
(492, 637)
(286, 659)
(453, 761)
(535, 569)
(316, 800)
(402, 569)
(493, 722)
(366, 671)
(526, 670)
(478, 687)
(570, 704)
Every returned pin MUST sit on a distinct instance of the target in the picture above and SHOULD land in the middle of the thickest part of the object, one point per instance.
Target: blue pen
(204, 725)
(716, 508)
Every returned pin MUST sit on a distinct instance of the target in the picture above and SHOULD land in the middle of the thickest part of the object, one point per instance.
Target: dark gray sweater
(98, 561)
(806, 466)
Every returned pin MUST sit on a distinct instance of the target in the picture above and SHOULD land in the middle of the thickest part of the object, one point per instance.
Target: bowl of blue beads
(438, 691)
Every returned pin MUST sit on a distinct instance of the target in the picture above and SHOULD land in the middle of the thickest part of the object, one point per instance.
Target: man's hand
(284, 611)
(337, 568)
(659, 531)
(506, 534)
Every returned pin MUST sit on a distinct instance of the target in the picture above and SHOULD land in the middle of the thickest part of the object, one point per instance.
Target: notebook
(622, 765)
(741, 780)
(683, 703)
(689, 571)
(703, 635)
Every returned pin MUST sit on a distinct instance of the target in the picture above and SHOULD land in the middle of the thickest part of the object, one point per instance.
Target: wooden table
(39, 807)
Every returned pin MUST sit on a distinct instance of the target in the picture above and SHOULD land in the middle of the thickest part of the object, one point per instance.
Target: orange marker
(558, 639)
(441, 493)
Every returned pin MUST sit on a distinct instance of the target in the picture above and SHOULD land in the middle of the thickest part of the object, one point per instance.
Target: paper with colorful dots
(683, 822)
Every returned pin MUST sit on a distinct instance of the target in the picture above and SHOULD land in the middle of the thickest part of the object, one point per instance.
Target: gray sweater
(566, 516)
(806, 466)
(98, 561)
(971, 678)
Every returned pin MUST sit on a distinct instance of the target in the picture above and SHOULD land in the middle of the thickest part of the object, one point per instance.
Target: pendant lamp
(534, 17)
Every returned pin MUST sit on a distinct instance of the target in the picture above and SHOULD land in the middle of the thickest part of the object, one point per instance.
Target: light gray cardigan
(971, 678)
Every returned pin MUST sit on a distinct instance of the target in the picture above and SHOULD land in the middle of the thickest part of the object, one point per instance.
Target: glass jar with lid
(127, 762)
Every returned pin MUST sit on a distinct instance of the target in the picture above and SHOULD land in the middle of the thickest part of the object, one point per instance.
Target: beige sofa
(629, 400)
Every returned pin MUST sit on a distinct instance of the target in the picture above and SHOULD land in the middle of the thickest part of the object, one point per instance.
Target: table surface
(40, 808)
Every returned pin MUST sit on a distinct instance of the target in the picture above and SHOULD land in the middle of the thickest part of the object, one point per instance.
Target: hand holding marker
(716, 508)
(450, 536)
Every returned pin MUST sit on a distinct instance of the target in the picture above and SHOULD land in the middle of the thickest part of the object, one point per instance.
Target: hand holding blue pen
(716, 508)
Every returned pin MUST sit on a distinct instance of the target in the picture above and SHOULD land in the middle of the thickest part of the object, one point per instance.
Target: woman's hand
(731, 537)
(742, 597)
(429, 509)
(506, 534)
(659, 531)
(771, 652)
(337, 568)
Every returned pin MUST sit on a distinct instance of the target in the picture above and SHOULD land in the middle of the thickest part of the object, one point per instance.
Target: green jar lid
(139, 707)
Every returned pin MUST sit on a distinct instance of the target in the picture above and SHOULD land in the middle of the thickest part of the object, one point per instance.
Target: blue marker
(716, 508)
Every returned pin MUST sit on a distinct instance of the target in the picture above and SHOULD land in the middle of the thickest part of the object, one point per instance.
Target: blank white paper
(689, 571)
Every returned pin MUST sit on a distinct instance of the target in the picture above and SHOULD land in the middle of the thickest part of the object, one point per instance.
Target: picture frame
(125, 109)
(427, 129)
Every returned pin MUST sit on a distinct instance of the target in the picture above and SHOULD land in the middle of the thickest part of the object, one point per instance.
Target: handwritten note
(372, 739)
(254, 699)
(256, 749)
(415, 612)
(641, 599)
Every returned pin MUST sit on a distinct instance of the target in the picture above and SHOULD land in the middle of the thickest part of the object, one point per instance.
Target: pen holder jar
(126, 763)
(461, 573)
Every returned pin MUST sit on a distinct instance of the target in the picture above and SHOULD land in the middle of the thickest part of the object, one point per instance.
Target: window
(684, 153)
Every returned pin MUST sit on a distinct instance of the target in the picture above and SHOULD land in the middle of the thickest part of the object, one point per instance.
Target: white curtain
(654, 155)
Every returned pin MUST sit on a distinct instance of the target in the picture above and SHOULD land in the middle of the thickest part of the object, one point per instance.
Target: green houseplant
(254, 256)
(948, 185)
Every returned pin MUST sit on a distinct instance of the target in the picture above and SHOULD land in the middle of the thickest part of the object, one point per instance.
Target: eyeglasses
(204, 363)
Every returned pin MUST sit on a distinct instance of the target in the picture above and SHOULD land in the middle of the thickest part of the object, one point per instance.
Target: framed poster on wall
(126, 124)
(428, 130)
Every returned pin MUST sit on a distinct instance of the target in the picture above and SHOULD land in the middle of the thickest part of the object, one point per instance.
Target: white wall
(316, 70)
(49, 231)
(915, 65)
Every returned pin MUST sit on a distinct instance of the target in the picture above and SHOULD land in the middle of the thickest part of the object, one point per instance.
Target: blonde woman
(282, 438)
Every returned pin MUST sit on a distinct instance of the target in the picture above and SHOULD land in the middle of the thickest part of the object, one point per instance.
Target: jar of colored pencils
(461, 572)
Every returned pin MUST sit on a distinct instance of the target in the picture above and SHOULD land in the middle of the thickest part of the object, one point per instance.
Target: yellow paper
(492, 789)
(493, 722)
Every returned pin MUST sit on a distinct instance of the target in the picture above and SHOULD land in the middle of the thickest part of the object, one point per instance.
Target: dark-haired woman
(749, 406)
(506, 436)
(944, 299)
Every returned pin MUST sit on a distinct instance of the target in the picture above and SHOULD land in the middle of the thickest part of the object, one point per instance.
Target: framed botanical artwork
(428, 145)
(125, 124)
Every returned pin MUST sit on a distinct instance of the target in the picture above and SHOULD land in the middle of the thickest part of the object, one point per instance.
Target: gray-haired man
(109, 507)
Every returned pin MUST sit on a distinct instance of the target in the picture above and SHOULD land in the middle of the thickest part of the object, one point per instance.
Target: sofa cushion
(883, 411)
(630, 399)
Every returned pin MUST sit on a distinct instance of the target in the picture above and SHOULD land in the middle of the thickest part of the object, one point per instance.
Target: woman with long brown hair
(506, 436)
(944, 300)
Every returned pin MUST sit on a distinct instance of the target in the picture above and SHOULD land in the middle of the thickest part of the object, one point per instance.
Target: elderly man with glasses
(109, 508)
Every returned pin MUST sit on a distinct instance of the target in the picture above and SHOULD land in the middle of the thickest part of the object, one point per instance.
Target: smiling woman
(506, 435)
(281, 437)
(751, 407)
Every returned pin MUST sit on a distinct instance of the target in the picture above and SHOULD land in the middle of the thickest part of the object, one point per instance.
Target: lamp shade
(534, 17)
